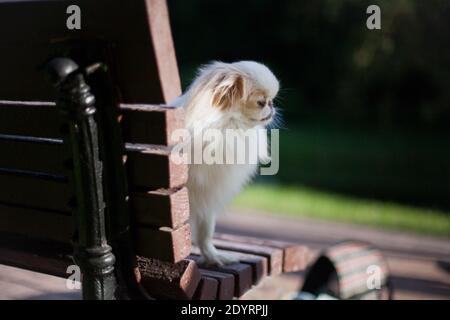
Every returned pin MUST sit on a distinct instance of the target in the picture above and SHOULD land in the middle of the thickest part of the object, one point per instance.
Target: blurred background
(366, 113)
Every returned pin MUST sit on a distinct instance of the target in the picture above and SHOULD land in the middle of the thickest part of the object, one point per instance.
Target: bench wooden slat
(258, 264)
(273, 255)
(163, 207)
(31, 156)
(151, 124)
(226, 283)
(164, 244)
(242, 274)
(35, 193)
(36, 223)
(34, 156)
(37, 255)
(141, 123)
(40, 119)
(295, 256)
(168, 280)
(207, 289)
(140, 163)
(142, 174)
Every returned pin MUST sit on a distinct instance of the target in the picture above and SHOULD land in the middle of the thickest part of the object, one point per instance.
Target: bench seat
(255, 256)
(185, 280)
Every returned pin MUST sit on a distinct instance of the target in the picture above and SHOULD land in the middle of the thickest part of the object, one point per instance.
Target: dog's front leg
(204, 229)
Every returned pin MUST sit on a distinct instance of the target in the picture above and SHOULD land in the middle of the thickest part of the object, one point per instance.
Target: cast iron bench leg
(92, 252)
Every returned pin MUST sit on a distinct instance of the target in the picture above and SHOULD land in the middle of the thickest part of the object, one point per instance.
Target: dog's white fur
(223, 96)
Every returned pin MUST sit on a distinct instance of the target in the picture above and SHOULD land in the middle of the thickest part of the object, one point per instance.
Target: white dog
(223, 96)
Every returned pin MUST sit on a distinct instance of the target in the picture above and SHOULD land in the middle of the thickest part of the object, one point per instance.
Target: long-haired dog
(223, 96)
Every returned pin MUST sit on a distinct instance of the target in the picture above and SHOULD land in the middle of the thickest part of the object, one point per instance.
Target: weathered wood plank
(40, 119)
(163, 207)
(35, 193)
(168, 280)
(161, 34)
(151, 124)
(33, 156)
(242, 274)
(164, 243)
(36, 255)
(36, 223)
(207, 289)
(258, 264)
(151, 169)
(172, 245)
(226, 283)
(149, 166)
(295, 256)
(141, 123)
(273, 255)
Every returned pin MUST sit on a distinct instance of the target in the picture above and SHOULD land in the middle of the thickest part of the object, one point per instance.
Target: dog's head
(244, 89)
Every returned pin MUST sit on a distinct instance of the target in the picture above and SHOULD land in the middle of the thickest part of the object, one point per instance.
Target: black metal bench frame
(103, 245)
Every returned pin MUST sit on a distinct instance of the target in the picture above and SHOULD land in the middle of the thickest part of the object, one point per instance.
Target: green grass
(306, 202)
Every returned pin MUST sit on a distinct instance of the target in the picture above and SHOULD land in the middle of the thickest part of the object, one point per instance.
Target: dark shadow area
(444, 265)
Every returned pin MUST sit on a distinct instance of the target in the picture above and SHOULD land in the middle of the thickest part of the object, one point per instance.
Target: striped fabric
(349, 270)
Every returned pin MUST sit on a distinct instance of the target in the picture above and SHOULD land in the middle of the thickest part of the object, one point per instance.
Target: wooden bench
(87, 176)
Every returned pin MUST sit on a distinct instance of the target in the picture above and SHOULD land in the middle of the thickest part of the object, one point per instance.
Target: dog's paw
(210, 256)
(219, 259)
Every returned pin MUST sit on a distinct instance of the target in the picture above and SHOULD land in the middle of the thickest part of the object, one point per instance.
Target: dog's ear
(228, 89)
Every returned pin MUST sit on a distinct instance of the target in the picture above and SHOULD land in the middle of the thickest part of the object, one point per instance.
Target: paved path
(28, 285)
(417, 262)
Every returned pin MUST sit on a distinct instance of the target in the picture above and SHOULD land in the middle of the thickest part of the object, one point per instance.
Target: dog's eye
(261, 103)
(270, 103)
